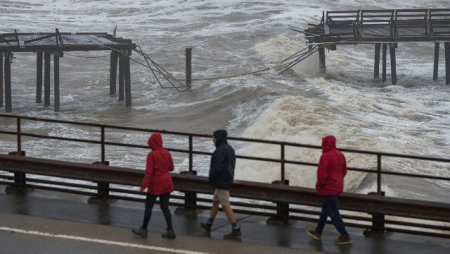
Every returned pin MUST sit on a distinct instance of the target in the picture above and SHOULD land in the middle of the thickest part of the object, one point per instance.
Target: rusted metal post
(322, 65)
(384, 62)
(56, 80)
(128, 79)
(113, 72)
(376, 70)
(190, 198)
(103, 144)
(436, 60)
(19, 135)
(39, 58)
(191, 155)
(102, 196)
(282, 215)
(393, 64)
(20, 178)
(447, 62)
(379, 173)
(1, 80)
(47, 79)
(121, 76)
(188, 69)
(378, 220)
(283, 177)
(8, 99)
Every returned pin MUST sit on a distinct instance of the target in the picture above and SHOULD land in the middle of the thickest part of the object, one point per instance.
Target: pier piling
(376, 71)
(7, 67)
(47, 60)
(188, 69)
(56, 80)
(39, 59)
(436, 60)
(447, 63)
(393, 64)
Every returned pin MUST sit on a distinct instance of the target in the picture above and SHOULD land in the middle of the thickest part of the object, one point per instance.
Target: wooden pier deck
(386, 28)
(44, 45)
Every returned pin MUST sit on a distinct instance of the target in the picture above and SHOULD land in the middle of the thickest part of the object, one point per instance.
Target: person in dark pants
(330, 183)
(221, 176)
(158, 182)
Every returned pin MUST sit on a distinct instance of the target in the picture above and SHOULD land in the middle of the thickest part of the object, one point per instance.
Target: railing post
(282, 215)
(20, 178)
(282, 164)
(103, 144)
(19, 135)
(377, 220)
(190, 154)
(379, 173)
(190, 198)
(102, 196)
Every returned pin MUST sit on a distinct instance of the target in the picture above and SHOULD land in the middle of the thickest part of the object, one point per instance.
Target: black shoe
(235, 233)
(206, 226)
(140, 232)
(170, 234)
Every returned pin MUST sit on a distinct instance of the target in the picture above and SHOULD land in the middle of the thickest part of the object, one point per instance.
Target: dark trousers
(330, 208)
(163, 203)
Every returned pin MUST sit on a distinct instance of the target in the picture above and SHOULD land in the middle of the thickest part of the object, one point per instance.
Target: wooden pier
(384, 29)
(44, 45)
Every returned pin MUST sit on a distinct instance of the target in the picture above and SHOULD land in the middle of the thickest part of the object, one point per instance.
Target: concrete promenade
(48, 222)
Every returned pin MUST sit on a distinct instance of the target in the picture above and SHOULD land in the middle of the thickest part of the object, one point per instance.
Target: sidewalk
(258, 237)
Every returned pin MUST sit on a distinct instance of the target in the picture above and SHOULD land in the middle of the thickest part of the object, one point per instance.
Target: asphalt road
(26, 234)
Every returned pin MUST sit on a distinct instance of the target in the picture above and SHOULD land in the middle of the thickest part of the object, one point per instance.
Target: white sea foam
(230, 37)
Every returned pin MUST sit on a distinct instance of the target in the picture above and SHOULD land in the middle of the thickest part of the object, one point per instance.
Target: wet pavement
(66, 223)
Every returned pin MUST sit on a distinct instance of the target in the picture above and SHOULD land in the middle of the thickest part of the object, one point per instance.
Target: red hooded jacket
(332, 169)
(159, 163)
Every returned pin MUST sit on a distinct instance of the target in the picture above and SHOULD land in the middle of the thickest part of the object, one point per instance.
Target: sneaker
(343, 239)
(314, 234)
(170, 234)
(234, 234)
(140, 232)
(206, 226)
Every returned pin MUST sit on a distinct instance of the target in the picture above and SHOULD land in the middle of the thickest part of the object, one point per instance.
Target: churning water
(227, 38)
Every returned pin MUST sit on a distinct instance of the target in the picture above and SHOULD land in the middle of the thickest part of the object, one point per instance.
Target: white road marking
(85, 239)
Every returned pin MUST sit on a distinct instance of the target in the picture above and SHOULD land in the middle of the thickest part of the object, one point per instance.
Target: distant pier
(385, 29)
(44, 45)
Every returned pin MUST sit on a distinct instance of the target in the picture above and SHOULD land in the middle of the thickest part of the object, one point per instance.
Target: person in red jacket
(330, 183)
(158, 182)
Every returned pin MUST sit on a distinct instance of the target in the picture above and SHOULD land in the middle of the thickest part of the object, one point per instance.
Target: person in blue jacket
(221, 176)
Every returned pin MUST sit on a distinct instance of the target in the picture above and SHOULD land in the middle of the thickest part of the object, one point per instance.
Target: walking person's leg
(164, 204)
(224, 199)
(317, 233)
(336, 218)
(214, 210)
(149, 203)
(335, 215)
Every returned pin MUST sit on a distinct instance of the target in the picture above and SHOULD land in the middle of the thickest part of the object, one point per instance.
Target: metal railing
(282, 208)
(190, 151)
(401, 23)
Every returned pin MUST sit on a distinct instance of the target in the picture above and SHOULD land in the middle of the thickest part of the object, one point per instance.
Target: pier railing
(276, 200)
(370, 25)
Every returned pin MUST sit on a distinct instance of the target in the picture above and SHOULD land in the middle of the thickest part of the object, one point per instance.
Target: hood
(328, 143)
(155, 141)
(221, 137)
